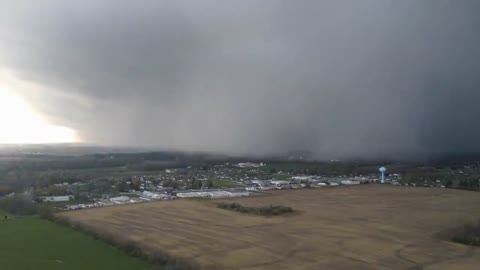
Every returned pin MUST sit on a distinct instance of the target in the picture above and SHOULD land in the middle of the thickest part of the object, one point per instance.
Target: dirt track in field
(357, 227)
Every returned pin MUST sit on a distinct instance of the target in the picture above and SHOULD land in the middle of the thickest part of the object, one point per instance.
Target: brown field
(361, 227)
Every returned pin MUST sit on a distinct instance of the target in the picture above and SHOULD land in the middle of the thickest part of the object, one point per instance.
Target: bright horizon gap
(22, 125)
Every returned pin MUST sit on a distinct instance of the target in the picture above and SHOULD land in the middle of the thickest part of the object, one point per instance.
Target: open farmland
(357, 227)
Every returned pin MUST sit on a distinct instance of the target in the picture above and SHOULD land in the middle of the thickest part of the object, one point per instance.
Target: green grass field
(105, 172)
(30, 243)
(282, 176)
(217, 183)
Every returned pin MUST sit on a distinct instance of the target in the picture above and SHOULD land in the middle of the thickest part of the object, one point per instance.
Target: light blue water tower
(383, 170)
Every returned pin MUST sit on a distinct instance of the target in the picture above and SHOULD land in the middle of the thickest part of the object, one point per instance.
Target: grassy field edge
(30, 242)
(158, 259)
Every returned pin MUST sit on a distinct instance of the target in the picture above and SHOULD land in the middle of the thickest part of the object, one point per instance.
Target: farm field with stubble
(355, 227)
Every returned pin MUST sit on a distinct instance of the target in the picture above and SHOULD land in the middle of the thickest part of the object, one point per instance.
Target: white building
(191, 194)
(301, 178)
(218, 194)
(57, 198)
(152, 195)
(350, 182)
(251, 165)
(257, 182)
(212, 194)
(280, 183)
(120, 199)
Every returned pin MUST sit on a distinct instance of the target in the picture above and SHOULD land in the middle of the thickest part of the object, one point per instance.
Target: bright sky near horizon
(20, 124)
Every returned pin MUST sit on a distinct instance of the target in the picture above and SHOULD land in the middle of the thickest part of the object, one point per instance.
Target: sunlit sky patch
(20, 124)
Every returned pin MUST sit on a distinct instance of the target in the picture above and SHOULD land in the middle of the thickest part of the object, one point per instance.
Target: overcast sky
(339, 78)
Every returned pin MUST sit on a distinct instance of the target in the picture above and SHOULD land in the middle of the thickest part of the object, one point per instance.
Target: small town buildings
(120, 199)
(65, 198)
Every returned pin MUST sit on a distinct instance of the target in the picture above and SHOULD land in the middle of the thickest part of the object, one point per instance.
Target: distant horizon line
(308, 155)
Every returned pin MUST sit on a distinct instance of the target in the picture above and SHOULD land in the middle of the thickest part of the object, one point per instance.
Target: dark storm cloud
(340, 78)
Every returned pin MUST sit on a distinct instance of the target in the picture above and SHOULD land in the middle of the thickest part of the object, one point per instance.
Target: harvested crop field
(356, 227)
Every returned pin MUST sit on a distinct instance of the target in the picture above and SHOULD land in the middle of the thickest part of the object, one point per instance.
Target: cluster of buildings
(119, 200)
(147, 196)
(64, 198)
(213, 194)
(213, 181)
(304, 181)
(251, 165)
